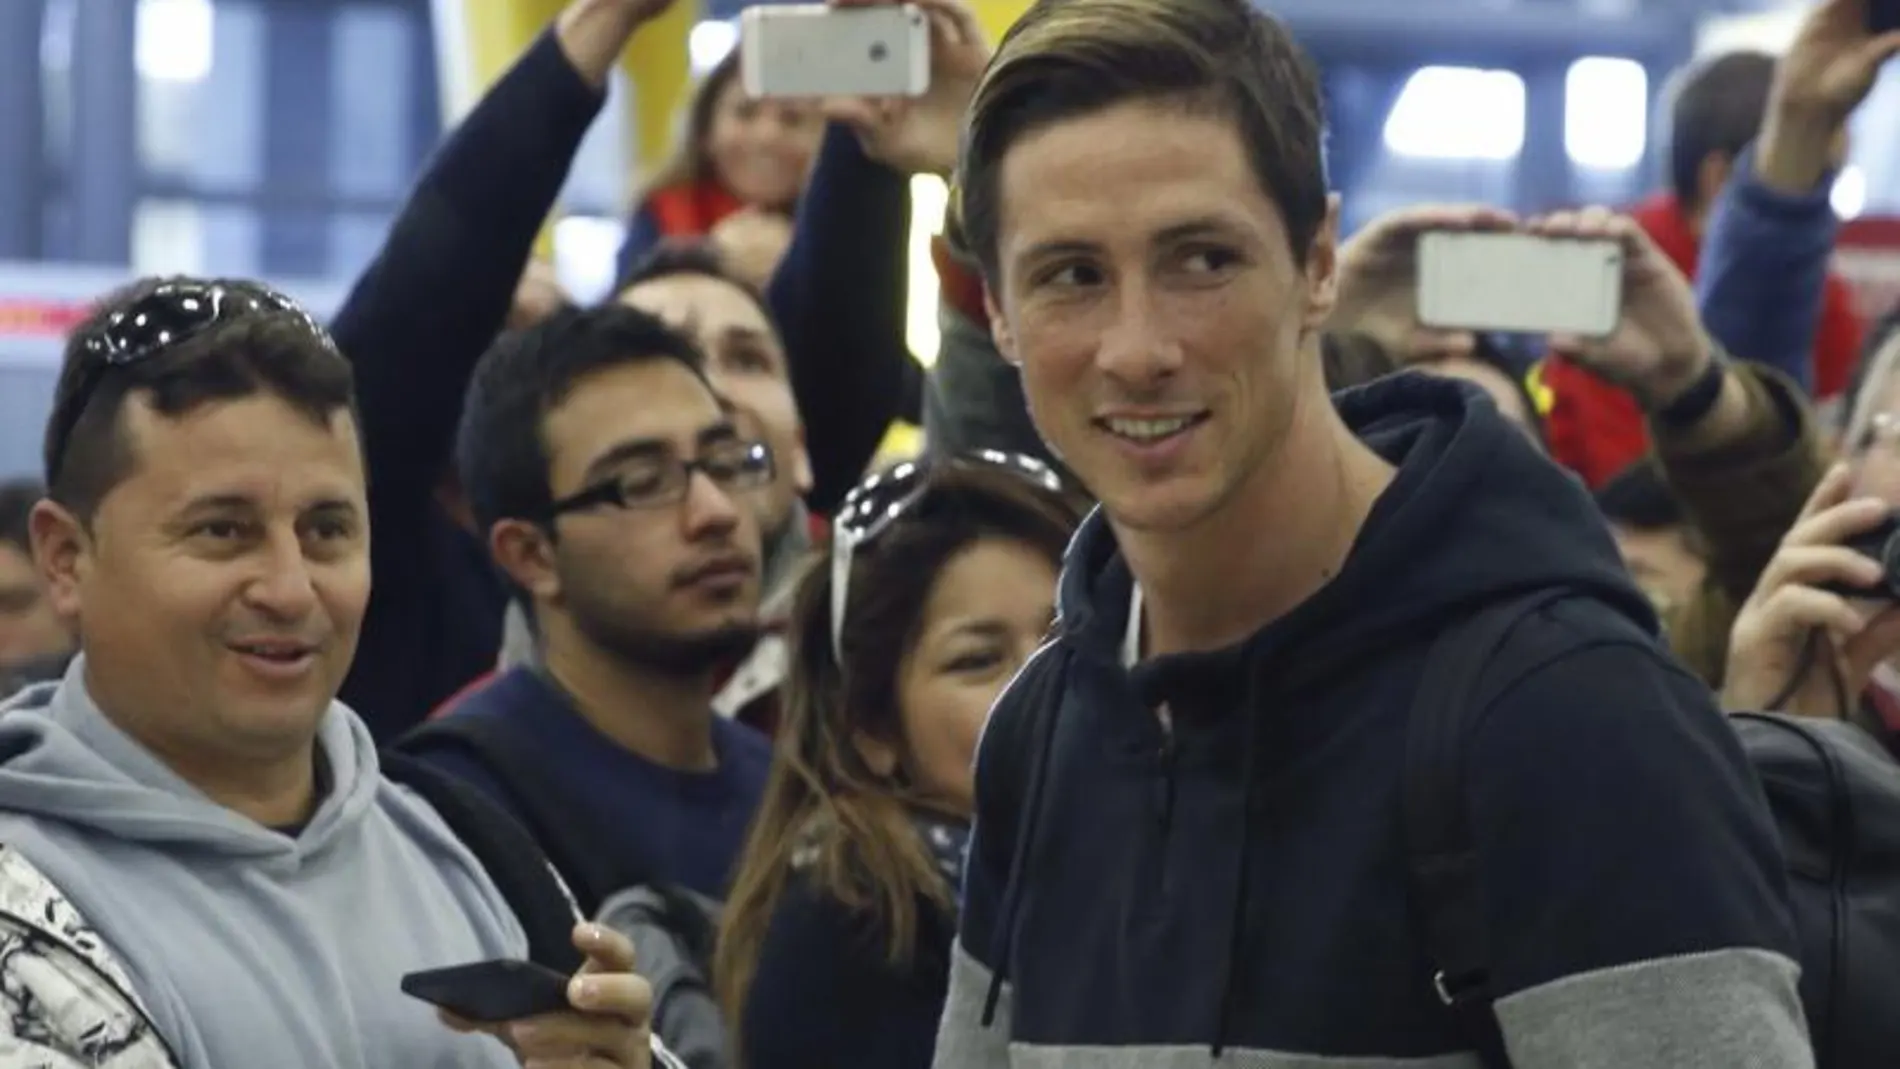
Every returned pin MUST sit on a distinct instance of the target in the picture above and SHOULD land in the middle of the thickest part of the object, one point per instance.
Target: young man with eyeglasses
(617, 492)
(204, 864)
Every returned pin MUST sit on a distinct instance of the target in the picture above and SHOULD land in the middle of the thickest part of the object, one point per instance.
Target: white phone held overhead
(815, 50)
(1519, 283)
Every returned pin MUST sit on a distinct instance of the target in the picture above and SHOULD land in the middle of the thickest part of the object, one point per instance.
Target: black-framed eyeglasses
(881, 500)
(662, 482)
(173, 313)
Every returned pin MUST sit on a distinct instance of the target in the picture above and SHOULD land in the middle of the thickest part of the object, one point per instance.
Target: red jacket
(692, 210)
(1596, 430)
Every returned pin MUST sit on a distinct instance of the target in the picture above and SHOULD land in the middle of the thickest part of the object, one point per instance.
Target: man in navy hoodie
(1190, 841)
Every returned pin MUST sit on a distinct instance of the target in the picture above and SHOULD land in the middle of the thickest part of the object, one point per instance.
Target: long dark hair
(821, 795)
(691, 162)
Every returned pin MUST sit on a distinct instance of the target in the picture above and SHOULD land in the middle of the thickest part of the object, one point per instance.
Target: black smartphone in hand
(490, 992)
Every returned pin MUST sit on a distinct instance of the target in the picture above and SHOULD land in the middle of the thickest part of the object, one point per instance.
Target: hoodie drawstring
(1046, 703)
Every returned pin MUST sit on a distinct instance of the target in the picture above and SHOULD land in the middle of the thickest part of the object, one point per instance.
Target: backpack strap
(507, 852)
(1447, 709)
(569, 831)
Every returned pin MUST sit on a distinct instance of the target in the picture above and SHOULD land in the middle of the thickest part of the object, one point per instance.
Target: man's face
(672, 586)
(746, 363)
(1148, 293)
(29, 628)
(221, 589)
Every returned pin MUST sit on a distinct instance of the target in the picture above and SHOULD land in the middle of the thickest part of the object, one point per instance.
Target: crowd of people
(1243, 672)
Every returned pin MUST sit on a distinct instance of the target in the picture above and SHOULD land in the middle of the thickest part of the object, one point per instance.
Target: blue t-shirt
(687, 827)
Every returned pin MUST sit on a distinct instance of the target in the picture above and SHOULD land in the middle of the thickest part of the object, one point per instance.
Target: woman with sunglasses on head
(834, 948)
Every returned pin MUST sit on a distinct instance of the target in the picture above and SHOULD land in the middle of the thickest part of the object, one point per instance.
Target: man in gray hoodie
(204, 865)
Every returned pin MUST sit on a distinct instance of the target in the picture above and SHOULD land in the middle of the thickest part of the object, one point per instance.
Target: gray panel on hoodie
(248, 946)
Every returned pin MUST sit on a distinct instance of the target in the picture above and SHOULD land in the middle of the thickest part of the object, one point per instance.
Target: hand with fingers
(1824, 75)
(1797, 647)
(752, 242)
(609, 1026)
(1659, 348)
(1831, 66)
(919, 135)
(1378, 279)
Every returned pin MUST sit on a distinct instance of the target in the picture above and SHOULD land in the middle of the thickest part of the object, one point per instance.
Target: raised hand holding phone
(919, 134)
(1657, 350)
(1379, 277)
(1798, 644)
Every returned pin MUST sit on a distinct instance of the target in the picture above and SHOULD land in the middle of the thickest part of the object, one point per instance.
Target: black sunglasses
(881, 500)
(170, 315)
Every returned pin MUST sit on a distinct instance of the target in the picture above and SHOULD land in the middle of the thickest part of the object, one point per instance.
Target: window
(209, 130)
(1849, 195)
(369, 124)
(174, 41)
(928, 199)
(1458, 113)
(186, 237)
(1606, 113)
(709, 43)
(585, 247)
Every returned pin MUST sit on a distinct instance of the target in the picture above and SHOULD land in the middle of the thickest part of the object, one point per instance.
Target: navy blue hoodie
(1236, 885)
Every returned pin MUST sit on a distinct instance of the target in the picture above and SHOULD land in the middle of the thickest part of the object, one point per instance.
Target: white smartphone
(814, 50)
(1519, 283)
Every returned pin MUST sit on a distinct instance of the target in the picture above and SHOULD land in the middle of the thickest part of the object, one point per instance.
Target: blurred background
(275, 138)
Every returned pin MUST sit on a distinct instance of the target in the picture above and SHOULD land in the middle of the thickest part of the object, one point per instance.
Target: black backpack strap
(507, 852)
(568, 830)
(1443, 859)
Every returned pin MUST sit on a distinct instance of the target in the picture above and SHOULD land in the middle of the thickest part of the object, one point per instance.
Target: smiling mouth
(274, 652)
(1149, 431)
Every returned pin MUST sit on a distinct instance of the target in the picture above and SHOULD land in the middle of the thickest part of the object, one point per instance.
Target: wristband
(1695, 402)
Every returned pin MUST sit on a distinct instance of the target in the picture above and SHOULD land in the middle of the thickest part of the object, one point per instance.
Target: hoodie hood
(62, 760)
(1475, 514)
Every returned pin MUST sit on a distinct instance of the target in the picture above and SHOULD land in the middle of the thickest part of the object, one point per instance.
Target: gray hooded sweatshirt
(250, 947)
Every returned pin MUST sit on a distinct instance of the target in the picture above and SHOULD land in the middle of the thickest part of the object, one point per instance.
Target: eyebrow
(745, 333)
(987, 627)
(239, 503)
(216, 503)
(658, 448)
(1198, 227)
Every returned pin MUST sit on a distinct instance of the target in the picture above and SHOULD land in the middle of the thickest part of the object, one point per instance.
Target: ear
(800, 460)
(1000, 333)
(879, 756)
(1322, 269)
(62, 554)
(525, 552)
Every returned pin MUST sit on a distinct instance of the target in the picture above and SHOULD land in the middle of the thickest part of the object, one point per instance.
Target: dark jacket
(1741, 498)
(608, 818)
(826, 992)
(413, 328)
(1239, 882)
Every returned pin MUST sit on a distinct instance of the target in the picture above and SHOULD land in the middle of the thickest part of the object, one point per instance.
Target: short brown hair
(1068, 58)
(280, 352)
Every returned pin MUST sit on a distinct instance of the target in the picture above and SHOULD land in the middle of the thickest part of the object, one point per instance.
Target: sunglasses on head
(884, 498)
(170, 315)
